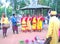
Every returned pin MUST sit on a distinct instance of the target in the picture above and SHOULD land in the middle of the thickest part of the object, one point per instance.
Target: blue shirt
(14, 21)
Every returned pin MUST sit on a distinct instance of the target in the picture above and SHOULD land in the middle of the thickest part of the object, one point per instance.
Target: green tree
(51, 3)
(58, 6)
(1, 10)
(44, 2)
(9, 11)
(22, 4)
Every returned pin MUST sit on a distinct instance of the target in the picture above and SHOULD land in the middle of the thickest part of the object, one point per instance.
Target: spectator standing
(4, 23)
(14, 24)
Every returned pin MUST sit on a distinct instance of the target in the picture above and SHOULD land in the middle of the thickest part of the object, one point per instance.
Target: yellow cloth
(6, 21)
(39, 24)
(34, 24)
(34, 27)
(53, 30)
(23, 24)
(28, 24)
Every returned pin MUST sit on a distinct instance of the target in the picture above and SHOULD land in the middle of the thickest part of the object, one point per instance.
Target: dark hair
(13, 14)
(3, 14)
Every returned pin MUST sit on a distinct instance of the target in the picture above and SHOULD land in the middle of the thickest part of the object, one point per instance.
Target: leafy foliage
(58, 6)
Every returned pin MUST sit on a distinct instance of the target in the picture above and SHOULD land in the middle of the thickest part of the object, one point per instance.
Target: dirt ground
(15, 38)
